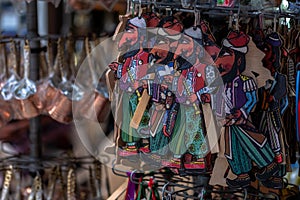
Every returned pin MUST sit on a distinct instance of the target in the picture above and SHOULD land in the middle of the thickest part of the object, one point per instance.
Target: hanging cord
(236, 22)
(128, 6)
(261, 21)
(132, 8)
(197, 16)
(230, 20)
(275, 23)
(140, 11)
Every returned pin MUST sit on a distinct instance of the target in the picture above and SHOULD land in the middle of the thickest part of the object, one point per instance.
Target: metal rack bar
(208, 8)
(32, 32)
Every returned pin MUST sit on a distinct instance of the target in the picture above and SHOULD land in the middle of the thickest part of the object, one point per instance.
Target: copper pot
(61, 107)
(23, 109)
(44, 96)
(93, 106)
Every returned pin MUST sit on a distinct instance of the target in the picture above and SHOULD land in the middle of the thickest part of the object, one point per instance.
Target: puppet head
(189, 48)
(231, 59)
(168, 34)
(133, 35)
(272, 50)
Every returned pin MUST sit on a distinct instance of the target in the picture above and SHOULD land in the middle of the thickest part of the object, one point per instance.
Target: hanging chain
(7, 182)
(71, 185)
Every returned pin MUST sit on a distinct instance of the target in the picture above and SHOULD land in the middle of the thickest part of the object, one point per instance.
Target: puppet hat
(170, 27)
(237, 40)
(274, 39)
(138, 22)
(152, 19)
(195, 33)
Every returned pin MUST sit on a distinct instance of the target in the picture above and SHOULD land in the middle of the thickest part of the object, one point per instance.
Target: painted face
(161, 48)
(225, 61)
(269, 59)
(185, 47)
(129, 37)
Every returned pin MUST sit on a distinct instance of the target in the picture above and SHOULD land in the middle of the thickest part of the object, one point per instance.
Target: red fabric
(198, 82)
(238, 38)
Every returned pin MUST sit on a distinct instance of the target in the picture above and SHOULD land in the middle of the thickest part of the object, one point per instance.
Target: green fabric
(188, 133)
(128, 134)
(245, 150)
(159, 143)
(240, 162)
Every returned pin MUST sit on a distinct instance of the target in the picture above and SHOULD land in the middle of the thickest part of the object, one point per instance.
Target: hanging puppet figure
(163, 112)
(129, 72)
(273, 101)
(188, 141)
(243, 143)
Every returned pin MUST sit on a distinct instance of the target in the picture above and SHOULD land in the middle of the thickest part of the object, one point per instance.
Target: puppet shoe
(198, 164)
(241, 181)
(145, 149)
(173, 163)
(267, 172)
(273, 182)
(128, 151)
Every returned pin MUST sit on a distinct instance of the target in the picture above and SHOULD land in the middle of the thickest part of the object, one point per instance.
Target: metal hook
(114, 170)
(153, 6)
(245, 194)
(140, 9)
(131, 176)
(128, 6)
(261, 21)
(164, 190)
(197, 18)
(275, 23)
(236, 19)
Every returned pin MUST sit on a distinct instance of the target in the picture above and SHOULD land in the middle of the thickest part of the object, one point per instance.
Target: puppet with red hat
(165, 108)
(244, 145)
(188, 143)
(129, 72)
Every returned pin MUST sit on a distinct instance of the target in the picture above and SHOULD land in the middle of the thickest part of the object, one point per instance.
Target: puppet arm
(284, 102)
(251, 101)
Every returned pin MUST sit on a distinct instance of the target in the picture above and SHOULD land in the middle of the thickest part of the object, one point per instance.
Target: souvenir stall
(186, 100)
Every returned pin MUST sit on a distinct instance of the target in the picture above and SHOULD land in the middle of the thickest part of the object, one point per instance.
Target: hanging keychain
(71, 185)
(92, 182)
(52, 182)
(98, 178)
(38, 187)
(6, 183)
